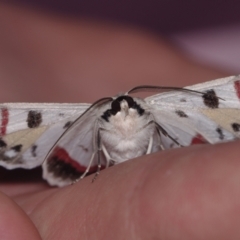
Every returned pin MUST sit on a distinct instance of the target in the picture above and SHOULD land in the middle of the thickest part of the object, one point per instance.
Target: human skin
(187, 193)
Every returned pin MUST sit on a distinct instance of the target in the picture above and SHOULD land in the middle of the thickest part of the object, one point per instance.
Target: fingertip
(14, 223)
(177, 194)
(192, 193)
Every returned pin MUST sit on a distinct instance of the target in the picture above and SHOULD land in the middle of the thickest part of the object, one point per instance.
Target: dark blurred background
(162, 16)
(207, 31)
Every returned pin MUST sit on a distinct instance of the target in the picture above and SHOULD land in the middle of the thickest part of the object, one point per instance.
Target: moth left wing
(212, 116)
(28, 130)
(76, 151)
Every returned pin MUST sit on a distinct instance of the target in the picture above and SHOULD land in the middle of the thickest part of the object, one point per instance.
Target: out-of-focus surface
(218, 47)
(47, 57)
(161, 16)
(207, 31)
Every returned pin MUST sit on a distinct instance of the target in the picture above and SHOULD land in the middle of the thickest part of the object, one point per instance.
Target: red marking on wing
(198, 139)
(237, 88)
(4, 121)
(63, 155)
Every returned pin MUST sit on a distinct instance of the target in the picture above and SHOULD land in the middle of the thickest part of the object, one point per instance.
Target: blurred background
(208, 31)
(79, 51)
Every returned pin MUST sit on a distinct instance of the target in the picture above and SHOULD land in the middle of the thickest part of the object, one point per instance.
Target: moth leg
(106, 154)
(87, 169)
(160, 140)
(150, 145)
(151, 139)
(99, 149)
(93, 155)
(160, 129)
(89, 165)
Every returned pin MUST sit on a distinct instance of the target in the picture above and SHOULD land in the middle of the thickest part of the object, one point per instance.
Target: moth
(72, 140)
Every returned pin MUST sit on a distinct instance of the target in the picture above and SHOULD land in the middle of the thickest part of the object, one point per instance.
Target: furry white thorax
(127, 134)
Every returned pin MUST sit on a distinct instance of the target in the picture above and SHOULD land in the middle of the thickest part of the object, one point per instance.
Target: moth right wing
(210, 116)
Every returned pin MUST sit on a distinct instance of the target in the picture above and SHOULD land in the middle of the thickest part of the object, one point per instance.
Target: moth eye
(115, 106)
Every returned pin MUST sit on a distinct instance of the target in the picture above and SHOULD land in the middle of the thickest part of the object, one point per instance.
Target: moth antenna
(150, 88)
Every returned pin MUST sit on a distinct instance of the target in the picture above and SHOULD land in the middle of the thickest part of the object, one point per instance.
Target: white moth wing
(72, 154)
(17, 113)
(187, 116)
(28, 130)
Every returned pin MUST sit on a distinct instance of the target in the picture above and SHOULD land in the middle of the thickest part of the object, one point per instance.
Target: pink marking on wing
(4, 122)
(63, 155)
(237, 88)
(198, 139)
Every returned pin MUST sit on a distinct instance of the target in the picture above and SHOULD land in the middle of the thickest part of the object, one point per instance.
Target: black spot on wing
(61, 169)
(17, 148)
(236, 127)
(220, 132)
(67, 124)
(106, 115)
(85, 149)
(181, 113)
(210, 99)
(139, 109)
(183, 100)
(2, 144)
(12, 155)
(34, 119)
(33, 150)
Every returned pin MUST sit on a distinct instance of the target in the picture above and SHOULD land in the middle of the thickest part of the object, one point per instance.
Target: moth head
(123, 106)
